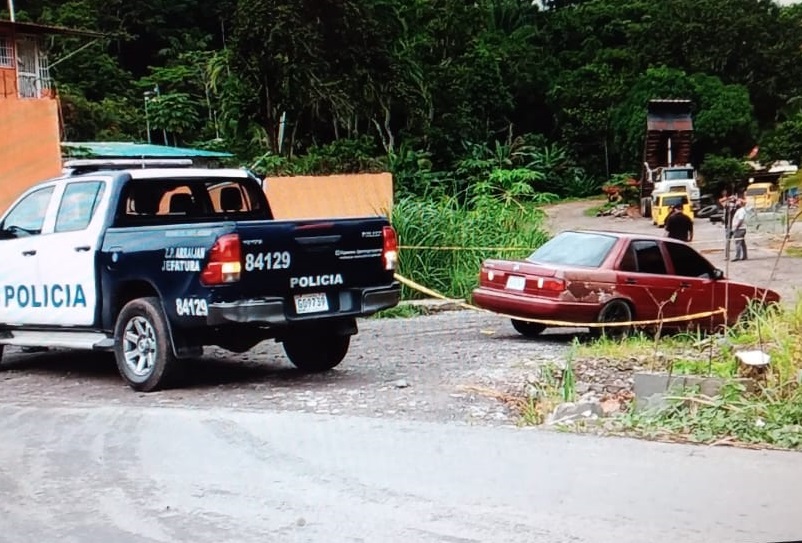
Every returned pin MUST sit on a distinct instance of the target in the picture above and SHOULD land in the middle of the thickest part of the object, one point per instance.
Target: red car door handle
(630, 281)
(685, 285)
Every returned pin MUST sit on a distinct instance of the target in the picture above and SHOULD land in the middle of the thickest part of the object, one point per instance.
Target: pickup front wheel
(142, 345)
(316, 354)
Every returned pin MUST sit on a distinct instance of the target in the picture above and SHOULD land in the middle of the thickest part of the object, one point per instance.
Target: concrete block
(651, 387)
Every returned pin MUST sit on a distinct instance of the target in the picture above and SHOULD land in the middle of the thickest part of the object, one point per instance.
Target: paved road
(96, 475)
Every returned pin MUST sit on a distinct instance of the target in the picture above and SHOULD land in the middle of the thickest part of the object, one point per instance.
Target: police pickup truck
(155, 264)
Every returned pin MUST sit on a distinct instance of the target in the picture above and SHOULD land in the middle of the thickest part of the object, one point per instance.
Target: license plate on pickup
(311, 303)
(516, 282)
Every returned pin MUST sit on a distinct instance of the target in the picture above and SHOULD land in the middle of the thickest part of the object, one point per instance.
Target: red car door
(696, 281)
(644, 278)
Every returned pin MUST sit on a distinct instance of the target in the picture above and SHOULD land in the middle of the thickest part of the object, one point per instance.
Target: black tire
(614, 311)
(316, 354)
(2, 365)
(528, 329)
(142, 345)
(706, 211)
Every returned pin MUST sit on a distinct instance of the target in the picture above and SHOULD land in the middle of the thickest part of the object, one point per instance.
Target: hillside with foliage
(441, 92)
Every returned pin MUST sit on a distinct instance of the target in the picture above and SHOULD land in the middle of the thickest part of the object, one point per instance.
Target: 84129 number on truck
(155, 264)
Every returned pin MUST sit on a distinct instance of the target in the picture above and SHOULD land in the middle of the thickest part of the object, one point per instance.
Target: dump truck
(667, 154)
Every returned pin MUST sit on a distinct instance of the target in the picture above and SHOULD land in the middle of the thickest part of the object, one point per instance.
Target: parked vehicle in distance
(667, 154)
(762, 196)
(586, 276)
(155, 264)
(664, 203)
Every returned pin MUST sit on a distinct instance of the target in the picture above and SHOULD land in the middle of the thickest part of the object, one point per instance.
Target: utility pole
(11, 10)
(164, 130)
(147, 95)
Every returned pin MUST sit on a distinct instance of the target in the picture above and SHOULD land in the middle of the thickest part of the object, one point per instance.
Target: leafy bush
(474, 230)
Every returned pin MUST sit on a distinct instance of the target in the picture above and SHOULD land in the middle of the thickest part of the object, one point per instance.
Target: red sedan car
(588, 276)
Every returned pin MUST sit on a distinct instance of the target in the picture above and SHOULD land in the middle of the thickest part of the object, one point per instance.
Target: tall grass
(445, 222)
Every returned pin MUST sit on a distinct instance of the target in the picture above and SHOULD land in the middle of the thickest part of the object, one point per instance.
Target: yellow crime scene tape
(429, 292)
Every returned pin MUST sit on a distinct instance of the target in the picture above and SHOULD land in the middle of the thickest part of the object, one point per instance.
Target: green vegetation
(418, 87)
(794, 251)
(476, 231)
(401, 311)
(771, 414)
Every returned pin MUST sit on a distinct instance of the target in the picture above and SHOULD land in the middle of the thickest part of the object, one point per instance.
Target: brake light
(389, 248)
(224, 264)
(554, 285)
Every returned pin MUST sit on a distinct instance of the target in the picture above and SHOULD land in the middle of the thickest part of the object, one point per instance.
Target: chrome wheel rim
(139, 346)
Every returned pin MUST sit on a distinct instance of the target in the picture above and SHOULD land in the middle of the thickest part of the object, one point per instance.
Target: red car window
(648, 257)
(629, 261)
(583, 249)
(687, 262)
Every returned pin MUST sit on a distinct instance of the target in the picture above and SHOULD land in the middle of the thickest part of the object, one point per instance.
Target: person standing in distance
(679, 225)
(739, 230)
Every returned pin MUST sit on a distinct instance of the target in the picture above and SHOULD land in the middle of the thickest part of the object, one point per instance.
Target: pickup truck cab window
(78, 205)
(156, 201)
(28, 216)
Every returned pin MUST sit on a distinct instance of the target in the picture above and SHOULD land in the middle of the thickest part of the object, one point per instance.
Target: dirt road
(763, 241)
(417, 368)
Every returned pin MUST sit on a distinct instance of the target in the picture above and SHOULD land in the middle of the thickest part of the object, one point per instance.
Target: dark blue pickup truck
(155, 264)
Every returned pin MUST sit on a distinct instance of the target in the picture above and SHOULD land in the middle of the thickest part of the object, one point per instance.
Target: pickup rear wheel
(316, 354)
(528, 329)
(142, 345)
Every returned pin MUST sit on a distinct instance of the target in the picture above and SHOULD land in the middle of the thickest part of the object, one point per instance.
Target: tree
(723, 117)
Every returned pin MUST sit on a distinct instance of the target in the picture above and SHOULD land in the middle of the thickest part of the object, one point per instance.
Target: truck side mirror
(718, 274)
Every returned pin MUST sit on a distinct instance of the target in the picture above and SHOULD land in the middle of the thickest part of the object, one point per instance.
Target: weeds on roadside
(553, 386)
(401, 311)
(460, 234)
(770, 414)
(734, 416)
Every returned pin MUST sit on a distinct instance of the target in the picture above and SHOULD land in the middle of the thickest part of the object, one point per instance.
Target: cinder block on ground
(650, 388)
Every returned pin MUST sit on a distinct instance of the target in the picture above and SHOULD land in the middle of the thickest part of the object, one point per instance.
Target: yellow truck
(762, 196)
(663, 203)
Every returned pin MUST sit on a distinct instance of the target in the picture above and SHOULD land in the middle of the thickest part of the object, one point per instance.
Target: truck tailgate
(313, 264)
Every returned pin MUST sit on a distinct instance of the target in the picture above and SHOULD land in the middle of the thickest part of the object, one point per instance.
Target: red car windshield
(582, 249)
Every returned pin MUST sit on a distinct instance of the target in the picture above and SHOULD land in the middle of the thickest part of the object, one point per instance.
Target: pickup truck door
(21, 230)
(67, 256)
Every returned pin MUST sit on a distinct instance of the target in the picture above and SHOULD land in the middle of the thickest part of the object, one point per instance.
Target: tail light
(389, 248)
(553, 285)
(224, 264)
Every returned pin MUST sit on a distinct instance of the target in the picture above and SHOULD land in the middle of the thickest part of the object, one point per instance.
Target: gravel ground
(413, 368)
